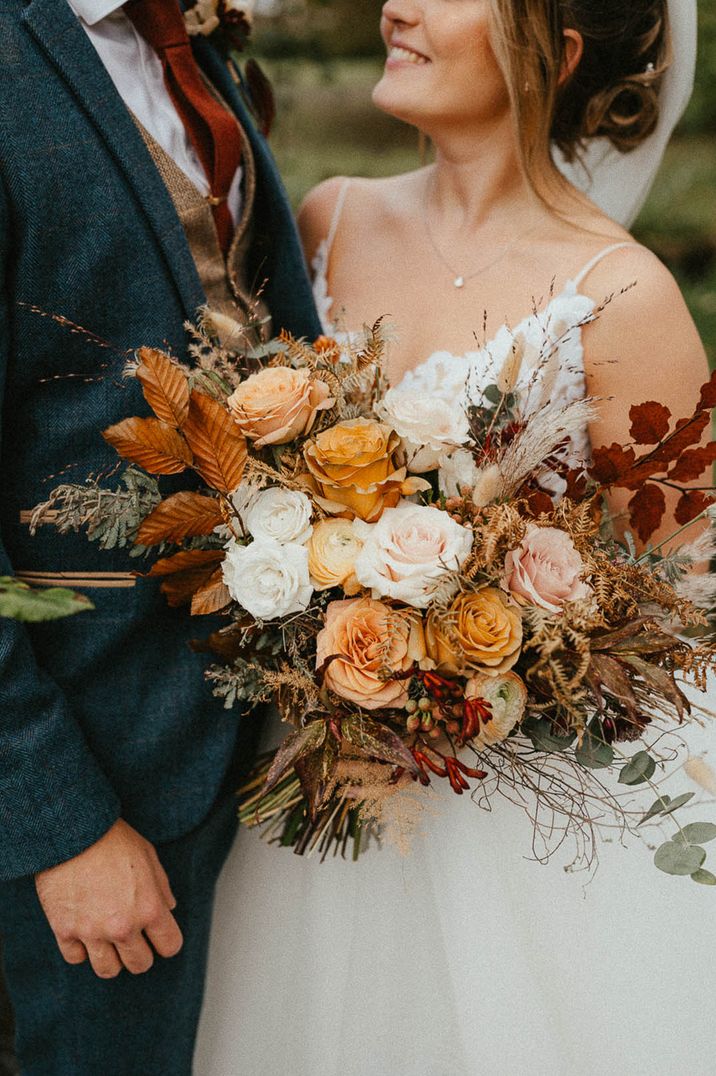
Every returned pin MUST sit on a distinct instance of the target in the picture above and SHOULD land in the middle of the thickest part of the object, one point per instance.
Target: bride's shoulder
(370, 204)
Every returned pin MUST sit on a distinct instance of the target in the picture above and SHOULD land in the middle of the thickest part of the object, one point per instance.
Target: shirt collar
(93, 11)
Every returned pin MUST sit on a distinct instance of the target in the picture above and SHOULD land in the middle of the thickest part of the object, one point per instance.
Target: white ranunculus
(428, 425)
(280, 515)
(458, 473)
(267, 579)
(409, 553)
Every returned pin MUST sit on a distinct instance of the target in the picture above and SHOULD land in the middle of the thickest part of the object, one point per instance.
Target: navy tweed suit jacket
(105, 714)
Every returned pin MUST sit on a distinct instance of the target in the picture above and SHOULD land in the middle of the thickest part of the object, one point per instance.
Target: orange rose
(479, 633)
(278, 404)
(354, 469)
(367, 640)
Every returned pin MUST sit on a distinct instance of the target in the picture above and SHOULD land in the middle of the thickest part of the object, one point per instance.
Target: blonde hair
(614, 91)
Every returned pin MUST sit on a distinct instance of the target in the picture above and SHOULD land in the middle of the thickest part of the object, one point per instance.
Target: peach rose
(507, 696)
(479, 633)
(368, 639)
(545, 569)
(332, 552)
(278, 404)
(354, 469)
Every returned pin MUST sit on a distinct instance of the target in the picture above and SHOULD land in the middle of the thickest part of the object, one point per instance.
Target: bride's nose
(400, 13)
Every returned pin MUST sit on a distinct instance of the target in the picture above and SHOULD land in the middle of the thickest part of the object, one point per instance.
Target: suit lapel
(60, 35)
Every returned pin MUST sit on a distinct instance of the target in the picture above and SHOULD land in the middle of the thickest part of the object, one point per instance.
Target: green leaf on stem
(638, 770)
(697, 833)
(594, 752)
(680, 801)
(704, 877)
(656, 808)
(679, 859)
(544, 738)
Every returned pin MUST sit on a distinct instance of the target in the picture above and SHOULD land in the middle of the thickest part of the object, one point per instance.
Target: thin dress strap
(580, 278)
(336, 218)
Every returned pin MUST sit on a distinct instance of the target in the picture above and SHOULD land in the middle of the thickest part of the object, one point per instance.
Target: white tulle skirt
(463, 958)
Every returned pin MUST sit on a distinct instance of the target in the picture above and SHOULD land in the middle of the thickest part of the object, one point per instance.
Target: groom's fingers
(165, 935)
(136, 955)
(164, 885)
(104, 959)
(73, 952)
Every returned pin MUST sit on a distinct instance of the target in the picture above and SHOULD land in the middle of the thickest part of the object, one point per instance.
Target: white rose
(409, 552)
(267, 579)
(279, 515)
(458, 473)
(427, 425)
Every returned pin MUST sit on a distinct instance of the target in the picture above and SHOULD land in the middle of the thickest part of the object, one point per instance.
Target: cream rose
(367, 641)
(332, 552)
(507, 696)
(545, 570)
(267, 579)
(278, 404)
(280, 515)
(409, 552)
(428, 426)
(458, 473)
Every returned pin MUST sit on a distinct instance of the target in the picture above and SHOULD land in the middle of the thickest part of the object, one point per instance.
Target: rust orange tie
(212, 130)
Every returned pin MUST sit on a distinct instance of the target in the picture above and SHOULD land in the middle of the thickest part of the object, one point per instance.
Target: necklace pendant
(459, 281)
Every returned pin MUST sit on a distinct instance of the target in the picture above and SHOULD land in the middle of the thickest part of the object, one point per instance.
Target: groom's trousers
(70, 1023)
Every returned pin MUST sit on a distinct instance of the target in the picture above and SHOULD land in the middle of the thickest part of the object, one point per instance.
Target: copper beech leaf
(211, 596)
(708, 394)
(295, 746)
(692, 463)
(165, 386)
(218, 445)
(183, 515)
(186, 572)
(150, 443)
(649, 422)
(611, 464)
(689, 431)
(646, 510)
(691, 504)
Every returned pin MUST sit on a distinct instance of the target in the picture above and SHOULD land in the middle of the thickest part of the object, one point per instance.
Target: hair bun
(625, 113)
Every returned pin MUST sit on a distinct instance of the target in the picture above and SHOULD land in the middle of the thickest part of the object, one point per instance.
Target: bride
(466, 956)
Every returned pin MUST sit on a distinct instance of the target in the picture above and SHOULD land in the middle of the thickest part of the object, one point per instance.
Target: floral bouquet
(428, 591)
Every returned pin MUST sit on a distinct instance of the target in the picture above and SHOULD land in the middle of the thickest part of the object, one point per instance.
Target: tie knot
(160, 23)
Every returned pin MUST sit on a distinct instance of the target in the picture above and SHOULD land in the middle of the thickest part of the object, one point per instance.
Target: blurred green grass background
(324, 61)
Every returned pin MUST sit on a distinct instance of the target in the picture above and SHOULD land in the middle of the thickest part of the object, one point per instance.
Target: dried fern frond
(544, 432)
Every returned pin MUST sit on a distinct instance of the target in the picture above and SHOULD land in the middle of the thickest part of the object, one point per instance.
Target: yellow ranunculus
(332, 551)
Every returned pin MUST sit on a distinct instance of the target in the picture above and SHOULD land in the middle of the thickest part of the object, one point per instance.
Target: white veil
(619, 183)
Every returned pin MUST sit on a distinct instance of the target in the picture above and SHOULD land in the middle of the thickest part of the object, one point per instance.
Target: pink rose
(278, 404)
(545, 569)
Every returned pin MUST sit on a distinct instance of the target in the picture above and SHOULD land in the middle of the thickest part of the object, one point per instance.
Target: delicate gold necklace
(460, 279)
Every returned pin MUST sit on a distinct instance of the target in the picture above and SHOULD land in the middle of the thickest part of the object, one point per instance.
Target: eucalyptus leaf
(18, 601)
(678, 802)
(543, 738)
(699, 832)
(704, 877)
(639, 769)
(593, 752)
(679, 859)
(656, 808)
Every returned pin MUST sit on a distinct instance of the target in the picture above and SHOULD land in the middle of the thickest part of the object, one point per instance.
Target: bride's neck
(476, 178)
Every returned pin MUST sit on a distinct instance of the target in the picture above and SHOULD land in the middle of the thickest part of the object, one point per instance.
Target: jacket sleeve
(54, 799)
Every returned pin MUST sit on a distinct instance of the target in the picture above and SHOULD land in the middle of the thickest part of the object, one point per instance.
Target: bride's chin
(387, 99)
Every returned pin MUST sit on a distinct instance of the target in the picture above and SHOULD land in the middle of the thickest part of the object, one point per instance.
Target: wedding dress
(464, 957)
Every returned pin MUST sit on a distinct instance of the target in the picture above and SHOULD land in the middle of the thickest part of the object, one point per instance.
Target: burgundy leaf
(691, 505)
(708, 394)
(693, 463)
(649, 423)
(610, 465)
(295, 746)
(378, 741)
(647, 508)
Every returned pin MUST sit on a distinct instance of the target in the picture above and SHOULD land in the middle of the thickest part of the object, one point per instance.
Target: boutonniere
(228, 21)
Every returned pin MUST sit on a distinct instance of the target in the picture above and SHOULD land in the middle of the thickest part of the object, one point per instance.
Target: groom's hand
(108, 903)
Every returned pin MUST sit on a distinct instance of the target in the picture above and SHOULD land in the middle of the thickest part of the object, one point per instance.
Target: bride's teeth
(397, 53)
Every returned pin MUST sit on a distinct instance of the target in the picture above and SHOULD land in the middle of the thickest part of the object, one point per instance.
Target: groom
(134, 188)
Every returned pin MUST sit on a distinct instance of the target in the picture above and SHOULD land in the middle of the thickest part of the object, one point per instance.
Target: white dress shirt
(136, 71)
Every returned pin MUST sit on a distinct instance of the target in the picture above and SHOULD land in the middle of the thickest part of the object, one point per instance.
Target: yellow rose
(354, 469)
(278, 404)
(479, 633)
(507, 696)
(366, 639)
(332, 552)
